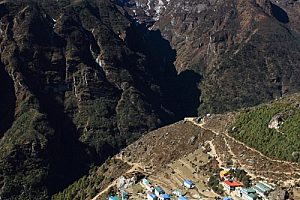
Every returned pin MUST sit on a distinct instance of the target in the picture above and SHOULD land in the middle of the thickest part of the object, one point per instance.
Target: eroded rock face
(276, 121)
(242, 49)
(79, 81)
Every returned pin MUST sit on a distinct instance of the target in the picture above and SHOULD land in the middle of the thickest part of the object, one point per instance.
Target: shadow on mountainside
(68, 158)
(181, 92)
(279, 14)
(7, 101)
(189, 93)
(164, 95)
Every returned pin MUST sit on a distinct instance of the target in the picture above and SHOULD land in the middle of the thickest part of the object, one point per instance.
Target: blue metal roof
(165, 196)
(227, 198)
(152, 195)
(182, 198)
(113, 198)
(188, 182)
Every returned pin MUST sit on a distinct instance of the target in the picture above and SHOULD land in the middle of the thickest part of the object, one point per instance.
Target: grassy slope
(251, 127)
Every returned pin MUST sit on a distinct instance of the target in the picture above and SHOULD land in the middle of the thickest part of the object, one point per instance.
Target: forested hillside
(272, 128)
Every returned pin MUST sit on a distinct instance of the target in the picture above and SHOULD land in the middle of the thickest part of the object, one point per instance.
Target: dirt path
(105, 190)
(202, 125)
(253, 173)
(213, 153)
(134, 167)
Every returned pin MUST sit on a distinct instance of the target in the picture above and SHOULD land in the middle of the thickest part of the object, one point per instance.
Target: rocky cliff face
(246, 51)
(79, 80)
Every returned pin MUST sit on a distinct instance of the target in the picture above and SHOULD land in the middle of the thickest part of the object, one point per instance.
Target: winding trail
(254, 174)
(105, 190)
(239, 142)
(134, 167)
(213, 152)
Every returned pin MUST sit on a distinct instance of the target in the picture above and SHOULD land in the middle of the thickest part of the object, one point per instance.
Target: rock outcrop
(242, 49)
(79, 81)
(276, 121)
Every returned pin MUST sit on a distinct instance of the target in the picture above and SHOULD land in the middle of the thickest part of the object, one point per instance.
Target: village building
(230, 186)
(263, 189)
(150, 188)
(227, 198)
(124, 195)
(158, 191)
(146, 182)
(151, 196)
(164, 197)
(182, 198)
(113, 198)
(188, 183)
(177, 193)
(248, 194)
(225, 174)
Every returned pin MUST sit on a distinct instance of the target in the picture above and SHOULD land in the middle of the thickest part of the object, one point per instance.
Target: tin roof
(233, 183)
(188, 181)
(165, 196)
(182, 198)
(159, 189)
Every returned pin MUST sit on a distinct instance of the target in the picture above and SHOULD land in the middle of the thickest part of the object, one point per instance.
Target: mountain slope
(261, 140)
(245, 51)
(81, 79)
(76, 86)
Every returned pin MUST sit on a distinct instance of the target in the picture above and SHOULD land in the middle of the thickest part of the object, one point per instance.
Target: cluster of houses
(259, 191)
(157, 193)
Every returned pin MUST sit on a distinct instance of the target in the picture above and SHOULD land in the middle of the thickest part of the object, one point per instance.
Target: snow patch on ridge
(159, 8)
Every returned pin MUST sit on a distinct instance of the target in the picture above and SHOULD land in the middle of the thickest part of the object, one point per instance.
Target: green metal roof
(252, 195)
(263, 187)
(250, 190)
(258, 189)
(159, 189)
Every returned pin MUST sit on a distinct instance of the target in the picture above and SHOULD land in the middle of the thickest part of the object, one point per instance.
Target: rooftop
(113, 198)
(224, 172)
(248, 190)
(146, 181)
(257, 189)
(182, 198)
(233, 183)
(264, 187)
(253, 195)
(159, 189)
(152, 195)
(188, 181)
(165, 196)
